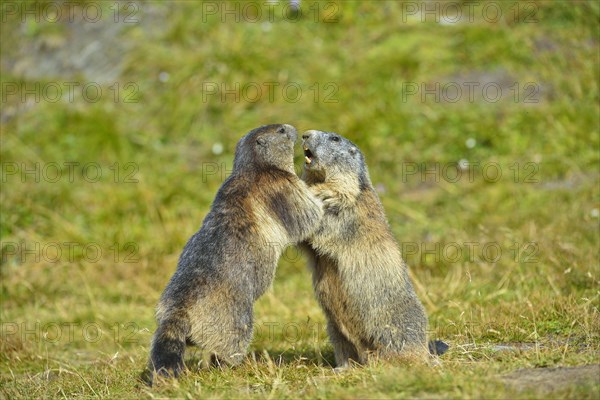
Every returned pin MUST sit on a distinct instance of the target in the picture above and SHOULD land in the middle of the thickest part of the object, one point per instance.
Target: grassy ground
(508, 260)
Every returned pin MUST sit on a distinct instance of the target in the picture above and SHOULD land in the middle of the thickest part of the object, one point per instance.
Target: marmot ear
(261, 141)
(353, 150)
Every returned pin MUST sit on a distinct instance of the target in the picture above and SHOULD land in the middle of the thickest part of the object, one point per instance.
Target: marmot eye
(335, 138)
(281, 130)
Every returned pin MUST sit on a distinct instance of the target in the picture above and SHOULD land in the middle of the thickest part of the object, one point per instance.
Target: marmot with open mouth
(359, 276)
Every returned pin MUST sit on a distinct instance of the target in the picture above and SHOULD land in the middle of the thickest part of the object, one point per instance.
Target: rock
(552, 379)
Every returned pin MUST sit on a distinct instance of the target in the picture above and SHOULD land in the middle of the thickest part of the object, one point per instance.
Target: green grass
(81, 326)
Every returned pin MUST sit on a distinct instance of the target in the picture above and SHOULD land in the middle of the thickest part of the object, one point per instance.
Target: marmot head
(269, 146)
(329, 155)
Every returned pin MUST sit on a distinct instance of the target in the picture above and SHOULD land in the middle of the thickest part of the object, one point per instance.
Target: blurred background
(479, 122)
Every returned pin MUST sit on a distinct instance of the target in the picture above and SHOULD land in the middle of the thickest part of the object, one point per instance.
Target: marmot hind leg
(168, 347)
(233, 350)
(228, 341)
(343, 349)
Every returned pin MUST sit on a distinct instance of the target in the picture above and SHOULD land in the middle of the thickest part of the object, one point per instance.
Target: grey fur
(230, 262)
(359, 276)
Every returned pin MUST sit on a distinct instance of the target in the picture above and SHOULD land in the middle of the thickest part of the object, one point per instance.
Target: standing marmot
(230, 262)
(359, 276)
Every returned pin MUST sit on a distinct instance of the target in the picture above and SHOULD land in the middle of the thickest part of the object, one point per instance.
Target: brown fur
(230, 262)
(359, 276)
